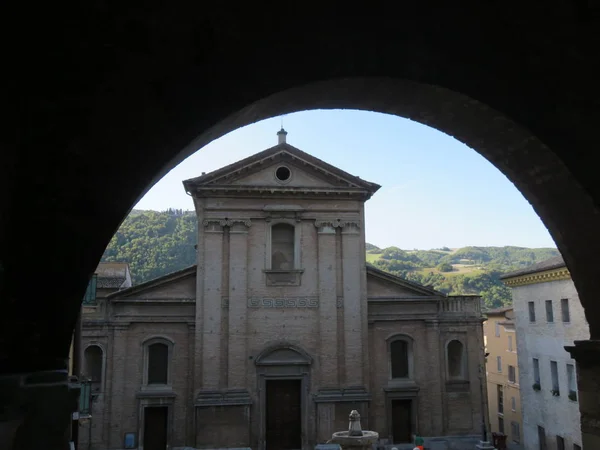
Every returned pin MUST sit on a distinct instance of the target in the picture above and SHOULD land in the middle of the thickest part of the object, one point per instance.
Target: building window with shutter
(512, 376)
(560, 443)
(554, 374)
(549, 312)
(500, 395)
(497, 329)
(531, 306)
(572, 381)
(564, 308)
(90, 293)
(513, 403)
(499, 363)
(510, 343)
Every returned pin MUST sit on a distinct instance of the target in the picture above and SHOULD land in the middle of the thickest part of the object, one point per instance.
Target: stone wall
(546, 341)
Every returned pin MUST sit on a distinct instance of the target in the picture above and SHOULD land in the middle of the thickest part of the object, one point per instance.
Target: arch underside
(84, 152)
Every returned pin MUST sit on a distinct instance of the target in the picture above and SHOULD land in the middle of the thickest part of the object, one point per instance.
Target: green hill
(157, 243)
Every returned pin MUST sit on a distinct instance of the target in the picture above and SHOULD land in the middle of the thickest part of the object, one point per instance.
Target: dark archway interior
(103, 102)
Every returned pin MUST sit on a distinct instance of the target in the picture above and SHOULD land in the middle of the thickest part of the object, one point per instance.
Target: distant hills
(157, 243)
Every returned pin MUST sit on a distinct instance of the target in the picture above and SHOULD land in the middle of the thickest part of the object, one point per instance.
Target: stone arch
(93, 365)
(283, 354)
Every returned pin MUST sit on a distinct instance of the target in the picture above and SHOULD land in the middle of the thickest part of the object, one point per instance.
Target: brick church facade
(281, 328)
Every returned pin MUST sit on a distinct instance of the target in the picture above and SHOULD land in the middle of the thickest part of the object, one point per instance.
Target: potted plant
(555, 392)
(573, 395)
(536, 386)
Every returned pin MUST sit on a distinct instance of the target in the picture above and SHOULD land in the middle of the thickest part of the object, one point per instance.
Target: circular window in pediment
(283, 174)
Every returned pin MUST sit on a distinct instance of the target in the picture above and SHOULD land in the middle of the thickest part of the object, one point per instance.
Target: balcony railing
(465, 305)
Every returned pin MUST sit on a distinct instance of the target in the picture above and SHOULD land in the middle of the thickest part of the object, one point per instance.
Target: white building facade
(548, 317)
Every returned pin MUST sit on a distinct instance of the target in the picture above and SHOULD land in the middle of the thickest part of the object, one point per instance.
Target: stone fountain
(355, 438)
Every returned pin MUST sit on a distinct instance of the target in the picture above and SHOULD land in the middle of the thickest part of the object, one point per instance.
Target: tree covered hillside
(157, 243)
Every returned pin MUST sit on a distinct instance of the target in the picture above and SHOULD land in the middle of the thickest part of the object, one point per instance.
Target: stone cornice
(276, 191)
(562, 273)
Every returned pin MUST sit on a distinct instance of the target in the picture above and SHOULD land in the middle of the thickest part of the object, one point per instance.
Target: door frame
(410, 394)
(149, 402)
(283, 361)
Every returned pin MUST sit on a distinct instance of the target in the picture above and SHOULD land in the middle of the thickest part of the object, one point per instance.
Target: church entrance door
(401, 421)
(283, 415)
(155, 427)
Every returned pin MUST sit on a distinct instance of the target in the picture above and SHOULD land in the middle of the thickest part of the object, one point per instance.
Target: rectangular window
(513, 403)
(497, 329)
(500, 394)
(554, 373)
(560, 443)
(515, 430)
(512, 376)
(564, 308)
(549, 312)
(531, 311)
(542, 438)
(572, 381)
(536, 371)
(510, 343)
(499, 363)
(501, 424)
(282, 246)
(576, 447)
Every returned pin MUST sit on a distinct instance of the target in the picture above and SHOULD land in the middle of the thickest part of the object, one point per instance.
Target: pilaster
(237, 303)
(353, 307)
(328, 323)
(587, 355)
(211, 299)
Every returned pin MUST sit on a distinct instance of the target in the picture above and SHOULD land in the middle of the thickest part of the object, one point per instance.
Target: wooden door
(283, 415)
(401, 421)
(155, 427)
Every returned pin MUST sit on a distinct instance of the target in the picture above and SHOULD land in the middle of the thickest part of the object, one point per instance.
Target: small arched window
(401, 357)
(158, 363)
(282, 246)
(456, 360)
(93, 358)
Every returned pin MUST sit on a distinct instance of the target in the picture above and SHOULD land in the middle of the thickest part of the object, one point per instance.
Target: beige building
(548, 317)
(281, 328)
(502, 370)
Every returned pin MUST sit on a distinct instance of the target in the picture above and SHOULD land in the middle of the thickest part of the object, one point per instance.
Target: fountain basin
(346, 441)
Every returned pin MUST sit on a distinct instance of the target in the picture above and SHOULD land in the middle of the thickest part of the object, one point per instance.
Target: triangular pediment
(381, 284)
(175, 286)
(260, 171)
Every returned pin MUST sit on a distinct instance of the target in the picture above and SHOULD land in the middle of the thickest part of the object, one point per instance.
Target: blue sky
(435, 191)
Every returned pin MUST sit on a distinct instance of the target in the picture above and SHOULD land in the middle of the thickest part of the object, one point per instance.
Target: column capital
(332, 224)
(586, 353)
(217, 224)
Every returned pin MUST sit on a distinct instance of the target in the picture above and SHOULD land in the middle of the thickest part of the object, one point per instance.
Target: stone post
(238, 302)
(327, 304)
(211, 302)
(587, 355)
